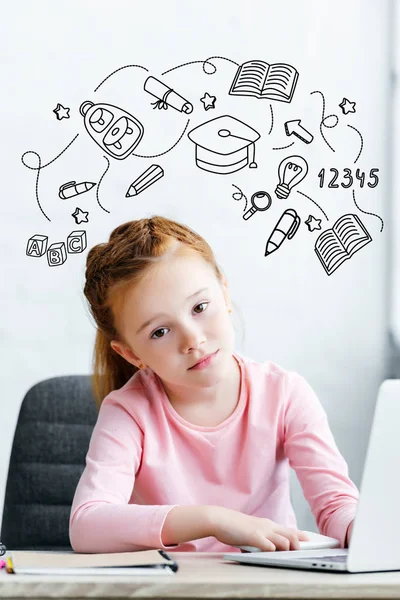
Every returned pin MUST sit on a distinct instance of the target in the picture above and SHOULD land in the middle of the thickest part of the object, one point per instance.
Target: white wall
(332, 329)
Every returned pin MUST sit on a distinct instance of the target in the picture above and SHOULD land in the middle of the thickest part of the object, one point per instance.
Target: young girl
(193, 443)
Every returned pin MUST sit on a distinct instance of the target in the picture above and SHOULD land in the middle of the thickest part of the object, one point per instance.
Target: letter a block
(56, 254)
(76, 242)
(37, 245)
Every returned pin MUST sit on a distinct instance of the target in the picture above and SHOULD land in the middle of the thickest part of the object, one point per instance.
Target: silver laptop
(375, 540)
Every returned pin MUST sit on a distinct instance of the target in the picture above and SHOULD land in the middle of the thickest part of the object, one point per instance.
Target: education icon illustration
(56, 253)
(222, 145)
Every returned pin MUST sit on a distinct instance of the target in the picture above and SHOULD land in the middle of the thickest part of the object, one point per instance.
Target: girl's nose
(192, 338)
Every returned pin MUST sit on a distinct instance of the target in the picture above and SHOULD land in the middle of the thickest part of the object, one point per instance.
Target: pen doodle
(308, 198)
(71, 189)
(366, 212)
(286, 228)
(324, 119)
(40, 166)
(241, 195)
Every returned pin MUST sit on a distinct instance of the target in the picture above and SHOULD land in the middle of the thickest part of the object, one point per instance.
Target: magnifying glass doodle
(259, 201)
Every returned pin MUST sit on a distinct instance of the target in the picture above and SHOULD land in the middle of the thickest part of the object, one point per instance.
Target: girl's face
(175, 316)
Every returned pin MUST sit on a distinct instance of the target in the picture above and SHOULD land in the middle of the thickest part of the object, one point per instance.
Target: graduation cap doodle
(224, 145)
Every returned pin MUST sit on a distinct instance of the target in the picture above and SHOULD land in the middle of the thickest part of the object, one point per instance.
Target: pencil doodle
(145, 180)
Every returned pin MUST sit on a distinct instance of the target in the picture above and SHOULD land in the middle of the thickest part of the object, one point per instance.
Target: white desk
(206, 575)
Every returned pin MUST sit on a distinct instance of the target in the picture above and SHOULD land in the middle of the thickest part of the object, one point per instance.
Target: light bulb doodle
(291, 171)
(259, 201)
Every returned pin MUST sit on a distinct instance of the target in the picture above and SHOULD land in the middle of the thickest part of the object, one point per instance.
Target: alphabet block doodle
(37, 245)
(76, 242)
(56, 254)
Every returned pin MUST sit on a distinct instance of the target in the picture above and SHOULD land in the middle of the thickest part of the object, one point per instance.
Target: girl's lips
(204, 363)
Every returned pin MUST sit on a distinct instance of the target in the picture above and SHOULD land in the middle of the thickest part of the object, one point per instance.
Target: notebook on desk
(374, 544)
(147, 562)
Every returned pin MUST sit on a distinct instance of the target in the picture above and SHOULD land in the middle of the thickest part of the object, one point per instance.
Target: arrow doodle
(294, 128)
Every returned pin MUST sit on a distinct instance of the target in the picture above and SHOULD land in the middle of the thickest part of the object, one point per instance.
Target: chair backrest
(51, 439)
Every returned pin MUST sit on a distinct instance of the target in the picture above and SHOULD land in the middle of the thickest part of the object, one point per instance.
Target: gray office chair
(51, 439)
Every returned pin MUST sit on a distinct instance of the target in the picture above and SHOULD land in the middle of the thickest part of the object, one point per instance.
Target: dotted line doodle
(362, 142)
(98, 187)
(40, 167)
(241, 195)
(323, 212)
(366, 212)
(272, 119)
(203, 62)
(323, 120)
(120, 69)
(155, 155)
(283, 147)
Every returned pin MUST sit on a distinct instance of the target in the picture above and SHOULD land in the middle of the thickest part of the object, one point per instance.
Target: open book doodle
(334, 246)
(258, 78)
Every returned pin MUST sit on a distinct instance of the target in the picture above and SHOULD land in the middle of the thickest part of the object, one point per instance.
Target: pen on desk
(286, 227)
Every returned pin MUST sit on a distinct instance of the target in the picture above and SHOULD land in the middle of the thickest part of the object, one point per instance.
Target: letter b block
(76, 242)
(56, 254)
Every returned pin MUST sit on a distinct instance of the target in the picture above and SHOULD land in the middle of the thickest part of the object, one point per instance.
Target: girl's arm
(321, 469)
(102, 520)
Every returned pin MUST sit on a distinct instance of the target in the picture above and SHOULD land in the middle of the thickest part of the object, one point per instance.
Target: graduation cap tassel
(251, 156)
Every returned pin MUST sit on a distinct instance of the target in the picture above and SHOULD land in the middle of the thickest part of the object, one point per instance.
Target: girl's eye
(154, 336)
(201, 304)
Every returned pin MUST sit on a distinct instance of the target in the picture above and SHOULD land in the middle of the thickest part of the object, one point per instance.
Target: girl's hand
(238, 529)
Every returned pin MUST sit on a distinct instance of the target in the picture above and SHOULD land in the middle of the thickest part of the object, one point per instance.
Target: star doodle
(61, 111)
(80, 216)
(313, 223)
(208, 101)
(347, 106)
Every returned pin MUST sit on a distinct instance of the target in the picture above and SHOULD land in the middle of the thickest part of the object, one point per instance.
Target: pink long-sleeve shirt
(144, 459)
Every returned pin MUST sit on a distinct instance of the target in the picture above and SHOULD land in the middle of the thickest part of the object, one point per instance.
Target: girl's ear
(125, 352)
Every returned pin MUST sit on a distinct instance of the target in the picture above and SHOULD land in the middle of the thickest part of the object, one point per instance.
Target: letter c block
(76, 242)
